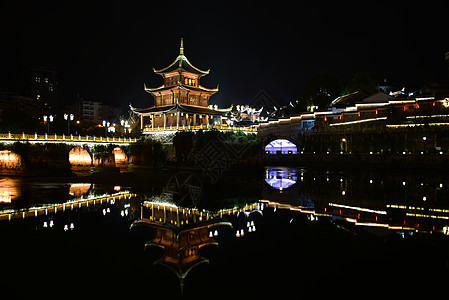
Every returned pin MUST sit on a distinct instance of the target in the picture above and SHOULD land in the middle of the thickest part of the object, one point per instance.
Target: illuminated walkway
(69, 139)
(223, 127)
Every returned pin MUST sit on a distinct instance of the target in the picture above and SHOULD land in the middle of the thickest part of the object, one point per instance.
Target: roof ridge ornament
(182, 62)
(181, 48)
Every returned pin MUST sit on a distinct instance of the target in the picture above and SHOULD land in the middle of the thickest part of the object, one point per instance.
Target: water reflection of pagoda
(180, 233)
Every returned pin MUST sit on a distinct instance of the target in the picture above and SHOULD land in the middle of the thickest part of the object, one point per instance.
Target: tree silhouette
(362, 82)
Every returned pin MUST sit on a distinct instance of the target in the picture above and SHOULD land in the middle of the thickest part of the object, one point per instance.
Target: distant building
(390, 88)
(264, 102)
(428, 106)
(91, 113)
(43, 88)
(110, 113)
(27, 105)
(245, 115)
(446, 57)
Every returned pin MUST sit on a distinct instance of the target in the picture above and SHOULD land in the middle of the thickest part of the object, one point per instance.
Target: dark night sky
(106, 51)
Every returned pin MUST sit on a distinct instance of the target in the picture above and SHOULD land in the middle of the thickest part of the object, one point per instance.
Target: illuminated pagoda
(180, 233)
(180, 102)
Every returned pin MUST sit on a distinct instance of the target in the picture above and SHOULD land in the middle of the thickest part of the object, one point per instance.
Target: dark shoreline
(138, 175)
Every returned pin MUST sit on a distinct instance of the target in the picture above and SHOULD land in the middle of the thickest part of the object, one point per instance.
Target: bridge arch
(281, 146)
(110, 155)
(79, 157)
(21, 156)
(11, 162)
(120, 156)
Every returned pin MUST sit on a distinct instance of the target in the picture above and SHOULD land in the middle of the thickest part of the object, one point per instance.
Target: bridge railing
(63, 138)
(223, 127)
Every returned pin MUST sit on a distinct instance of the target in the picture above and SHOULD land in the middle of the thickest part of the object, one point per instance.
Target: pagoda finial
(181, 49)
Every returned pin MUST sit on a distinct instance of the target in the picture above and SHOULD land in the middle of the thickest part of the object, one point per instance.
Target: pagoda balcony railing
(223, 127)
(63, 138)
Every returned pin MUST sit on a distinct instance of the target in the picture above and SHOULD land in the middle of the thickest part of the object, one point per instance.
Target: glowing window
(281, 146)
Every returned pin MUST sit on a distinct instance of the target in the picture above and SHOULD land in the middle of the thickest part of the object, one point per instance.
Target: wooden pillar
(165, 121)
(177, 120)
(152, 122)
(152, 212)
(141, 122)
(194, 120)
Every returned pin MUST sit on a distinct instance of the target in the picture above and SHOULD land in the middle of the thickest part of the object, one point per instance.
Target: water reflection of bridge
(184, 233)
(395, 218)
(9, 214)
(398, 217)
(388, 201)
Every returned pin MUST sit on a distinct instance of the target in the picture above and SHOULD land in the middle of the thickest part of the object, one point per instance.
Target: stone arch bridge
(28, 152)
(284, 129)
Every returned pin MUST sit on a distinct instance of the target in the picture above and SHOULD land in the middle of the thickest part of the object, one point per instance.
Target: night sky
(106, 51)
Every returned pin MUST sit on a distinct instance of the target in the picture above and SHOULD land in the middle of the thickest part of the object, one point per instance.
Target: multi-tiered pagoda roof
(181, 99)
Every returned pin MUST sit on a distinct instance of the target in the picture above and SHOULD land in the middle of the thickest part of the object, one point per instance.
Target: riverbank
(362, 161)
(143, 177)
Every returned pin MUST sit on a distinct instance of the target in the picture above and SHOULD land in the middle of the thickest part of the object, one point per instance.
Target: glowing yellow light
(446, 102)
(10, 160)
(78, 189)
(120, 156)
(79, 156)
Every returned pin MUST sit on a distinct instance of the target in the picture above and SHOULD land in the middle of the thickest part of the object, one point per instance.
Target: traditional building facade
(181, 101)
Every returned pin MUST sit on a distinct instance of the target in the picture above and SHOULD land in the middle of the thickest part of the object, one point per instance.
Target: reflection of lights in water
(79, 157)
(280, 179)
(9, 189)
(79, 189)
(281, 146)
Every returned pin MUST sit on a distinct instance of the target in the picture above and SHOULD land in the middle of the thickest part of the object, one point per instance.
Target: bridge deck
(54, 138)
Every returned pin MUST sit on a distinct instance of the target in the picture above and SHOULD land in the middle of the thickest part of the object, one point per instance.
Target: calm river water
(295, 232)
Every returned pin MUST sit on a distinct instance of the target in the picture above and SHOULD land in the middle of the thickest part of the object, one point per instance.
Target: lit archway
(79, 157)
(10, 161)
(120, 156)
(281, 146)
